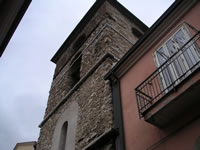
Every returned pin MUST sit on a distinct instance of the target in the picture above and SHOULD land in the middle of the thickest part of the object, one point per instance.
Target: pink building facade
(156, 85)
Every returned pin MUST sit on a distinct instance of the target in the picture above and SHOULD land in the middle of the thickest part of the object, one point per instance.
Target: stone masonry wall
(108, 32)
(95, 115)
(105, 35)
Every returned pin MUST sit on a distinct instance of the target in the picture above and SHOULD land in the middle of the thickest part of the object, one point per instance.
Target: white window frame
(174, 74)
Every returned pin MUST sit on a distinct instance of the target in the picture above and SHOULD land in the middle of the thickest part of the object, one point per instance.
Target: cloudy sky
(25, 68)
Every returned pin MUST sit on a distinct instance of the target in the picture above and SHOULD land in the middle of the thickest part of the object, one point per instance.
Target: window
(63, 136)
(65, 129)
(184, 59)
(75, 68)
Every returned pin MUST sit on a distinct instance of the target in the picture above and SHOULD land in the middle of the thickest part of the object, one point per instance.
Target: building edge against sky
(25, 146)
(11, 12)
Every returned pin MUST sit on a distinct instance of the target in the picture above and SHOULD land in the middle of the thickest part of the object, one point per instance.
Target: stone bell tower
(79, 113)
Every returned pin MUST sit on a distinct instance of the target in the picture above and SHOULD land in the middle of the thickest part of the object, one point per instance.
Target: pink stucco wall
(140, 135)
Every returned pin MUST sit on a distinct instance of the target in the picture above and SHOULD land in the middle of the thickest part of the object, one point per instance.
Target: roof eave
(14, 26)
(87, 18)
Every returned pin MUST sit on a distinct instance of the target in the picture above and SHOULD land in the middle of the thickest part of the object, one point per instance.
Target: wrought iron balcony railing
(171, 73)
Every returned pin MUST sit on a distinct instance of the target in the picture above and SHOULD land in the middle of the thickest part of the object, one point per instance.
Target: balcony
(172, 91)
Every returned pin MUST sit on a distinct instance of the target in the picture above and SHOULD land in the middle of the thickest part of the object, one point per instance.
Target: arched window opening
(63, 136)
(65, 129)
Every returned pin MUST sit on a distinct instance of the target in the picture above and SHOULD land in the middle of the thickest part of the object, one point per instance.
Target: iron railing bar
(193, 54)
(140, 115)
(147, 83)
(157, 83)
(154, 92)
(144, 94)
(144, 106)
(182, 71)
(144, 90)
(149, 87)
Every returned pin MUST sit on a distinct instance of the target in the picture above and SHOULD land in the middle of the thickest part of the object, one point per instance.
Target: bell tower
(79, 113)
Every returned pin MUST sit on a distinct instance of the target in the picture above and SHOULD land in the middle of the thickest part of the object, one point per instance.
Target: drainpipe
(117, 111)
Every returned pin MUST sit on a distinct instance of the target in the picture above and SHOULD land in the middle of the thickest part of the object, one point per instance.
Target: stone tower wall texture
(100, 44)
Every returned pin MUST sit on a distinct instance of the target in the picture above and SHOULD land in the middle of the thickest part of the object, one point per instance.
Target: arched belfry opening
(65, 129)
(75, 68)
(63, 136)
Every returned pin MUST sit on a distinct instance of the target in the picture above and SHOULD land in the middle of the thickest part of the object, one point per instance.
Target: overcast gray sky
(25, 68)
